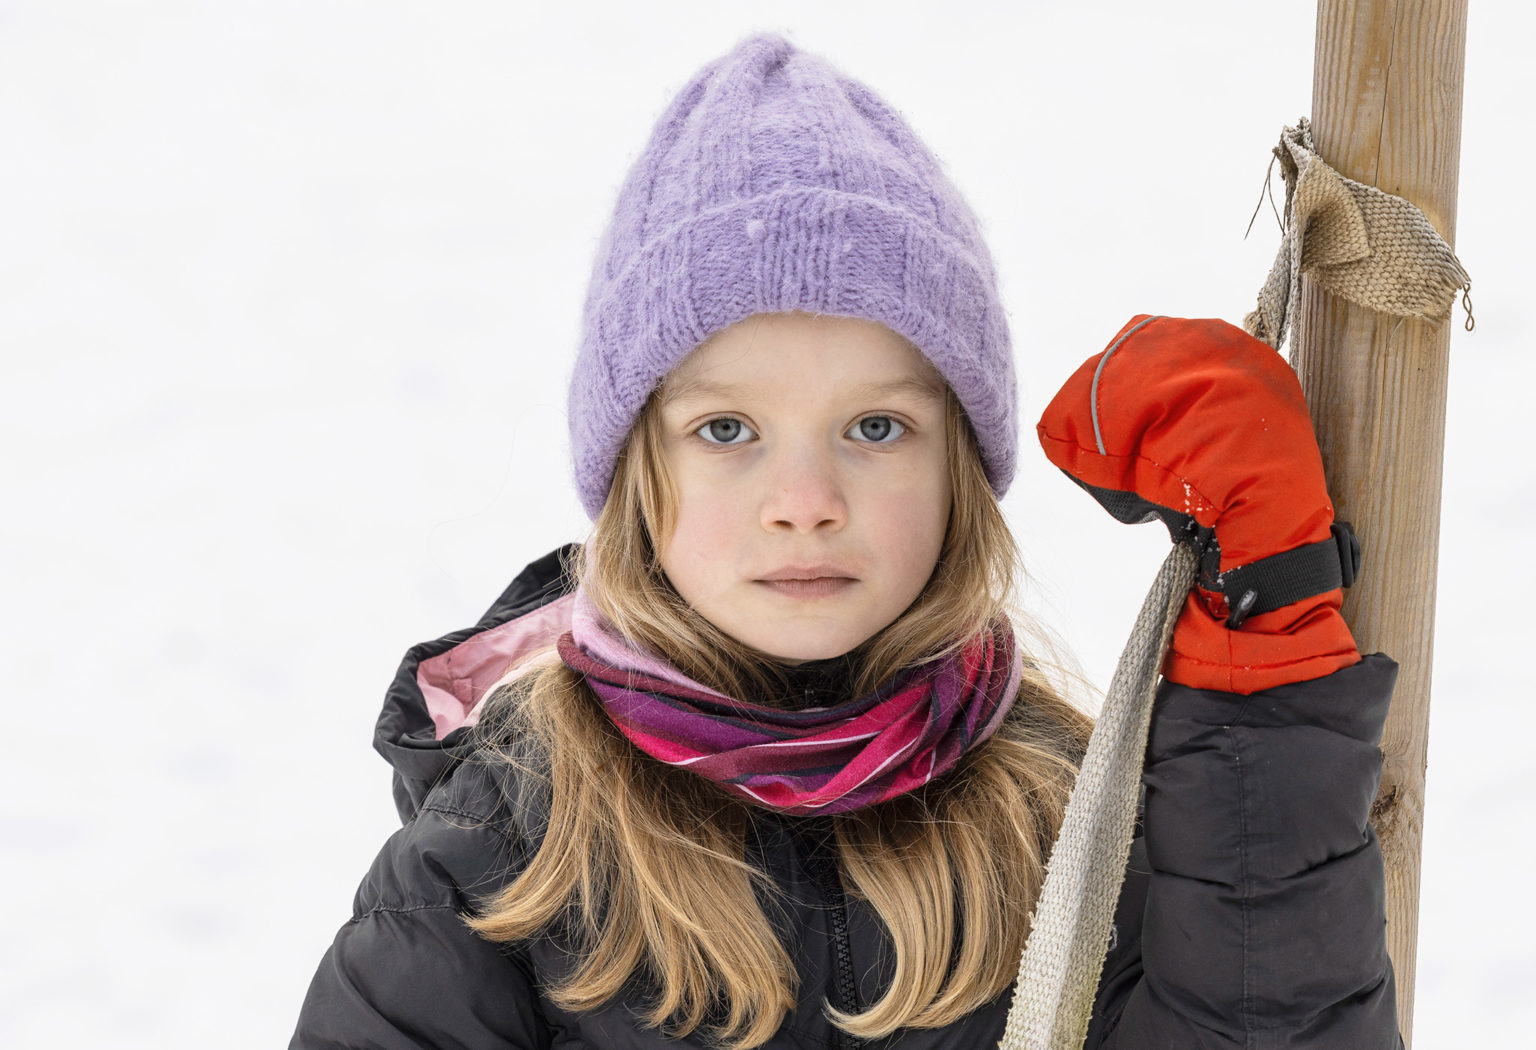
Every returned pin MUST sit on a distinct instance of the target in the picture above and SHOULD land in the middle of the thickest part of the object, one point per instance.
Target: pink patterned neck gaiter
(817, 760)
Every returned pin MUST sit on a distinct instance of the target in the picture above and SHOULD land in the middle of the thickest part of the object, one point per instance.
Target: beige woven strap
(1069, 932)
(1356, 241)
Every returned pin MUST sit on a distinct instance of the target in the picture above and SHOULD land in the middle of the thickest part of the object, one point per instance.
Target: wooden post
(1386, 111)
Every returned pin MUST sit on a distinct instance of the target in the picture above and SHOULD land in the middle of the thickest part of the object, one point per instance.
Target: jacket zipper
(847, 993)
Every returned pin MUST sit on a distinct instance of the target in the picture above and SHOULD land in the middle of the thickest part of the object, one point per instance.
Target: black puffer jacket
(1252, 913)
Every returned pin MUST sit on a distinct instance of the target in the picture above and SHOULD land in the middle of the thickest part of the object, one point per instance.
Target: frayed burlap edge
(1359, 242)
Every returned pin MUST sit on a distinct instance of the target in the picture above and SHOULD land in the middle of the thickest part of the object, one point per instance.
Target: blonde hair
(643, 866)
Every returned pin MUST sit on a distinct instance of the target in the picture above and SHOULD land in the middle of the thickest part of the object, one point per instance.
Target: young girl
(766, 762)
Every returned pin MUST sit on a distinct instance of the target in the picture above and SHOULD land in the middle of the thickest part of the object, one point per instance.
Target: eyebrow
(697, 389)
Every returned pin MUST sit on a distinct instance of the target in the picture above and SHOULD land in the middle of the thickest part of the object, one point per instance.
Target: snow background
(288, 297)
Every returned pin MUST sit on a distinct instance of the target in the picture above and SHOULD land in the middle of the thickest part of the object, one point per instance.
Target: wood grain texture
(1386, 110)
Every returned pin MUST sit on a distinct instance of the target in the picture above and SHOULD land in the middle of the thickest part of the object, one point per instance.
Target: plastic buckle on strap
(1349, 550)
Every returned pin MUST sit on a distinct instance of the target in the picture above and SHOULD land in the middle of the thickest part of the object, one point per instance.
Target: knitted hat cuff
(812, 249)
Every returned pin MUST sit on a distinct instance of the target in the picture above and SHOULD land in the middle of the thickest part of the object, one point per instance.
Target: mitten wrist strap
(1290, 576)
(1260, 586)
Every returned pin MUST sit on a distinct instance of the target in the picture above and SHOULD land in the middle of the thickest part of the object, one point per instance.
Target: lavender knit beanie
(775, 183)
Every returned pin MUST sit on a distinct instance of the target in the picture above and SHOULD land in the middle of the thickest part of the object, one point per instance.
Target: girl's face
(809, 462)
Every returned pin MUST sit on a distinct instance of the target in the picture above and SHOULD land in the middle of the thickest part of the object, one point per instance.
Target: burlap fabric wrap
(1069, 934)
(1356, 241)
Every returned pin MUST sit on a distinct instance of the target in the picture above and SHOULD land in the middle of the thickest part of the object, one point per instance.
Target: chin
(804, 650)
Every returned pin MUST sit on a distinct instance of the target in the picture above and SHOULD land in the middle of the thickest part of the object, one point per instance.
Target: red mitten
(1198, 424)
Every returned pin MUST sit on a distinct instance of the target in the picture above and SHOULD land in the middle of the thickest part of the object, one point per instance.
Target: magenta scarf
(814, 760)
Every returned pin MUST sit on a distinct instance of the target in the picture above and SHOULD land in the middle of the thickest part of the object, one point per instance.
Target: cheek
(911, 520)
(706, 535)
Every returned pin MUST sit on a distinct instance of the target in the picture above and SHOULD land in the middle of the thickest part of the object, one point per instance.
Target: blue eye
(725, 432)
(878, 429)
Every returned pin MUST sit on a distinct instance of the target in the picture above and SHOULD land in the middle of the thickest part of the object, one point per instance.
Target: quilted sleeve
(1263, 921)
(405, 972)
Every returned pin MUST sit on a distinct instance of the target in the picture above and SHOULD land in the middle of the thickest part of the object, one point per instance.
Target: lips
(804, 573)
(808, 581)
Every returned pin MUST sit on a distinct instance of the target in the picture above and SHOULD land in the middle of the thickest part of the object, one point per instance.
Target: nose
(804, 494)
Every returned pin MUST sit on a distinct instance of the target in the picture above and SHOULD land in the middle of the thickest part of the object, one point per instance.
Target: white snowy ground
(288, 296)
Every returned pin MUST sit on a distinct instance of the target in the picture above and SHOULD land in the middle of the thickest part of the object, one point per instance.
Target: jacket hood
(437, 692)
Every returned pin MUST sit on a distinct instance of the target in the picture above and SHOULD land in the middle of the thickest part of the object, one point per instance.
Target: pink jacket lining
(455, 684)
